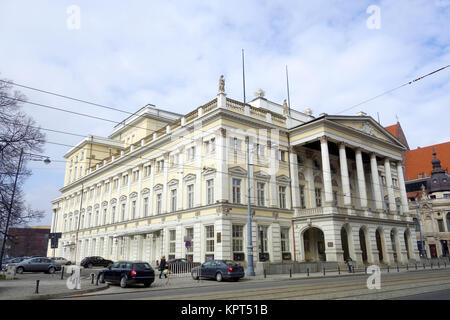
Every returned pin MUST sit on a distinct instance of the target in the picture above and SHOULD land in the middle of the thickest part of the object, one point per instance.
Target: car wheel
(123, 282)
(68, 263)
(19, 270)
(51, 270)
(195, 275)
(90, 265)
(219, 277)
(101, 278)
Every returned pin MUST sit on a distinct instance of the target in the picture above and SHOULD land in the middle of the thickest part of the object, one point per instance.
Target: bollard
(323, 270)
(398, 270)
(388, 269)
(353, 269)
(37, 287)
(92, 278)
(424, 266)
(339, 270)
(407, 267)
(96, 281)
(290, 273)
(307, 272)
(365, 269)
(62, 273)
(264, 273)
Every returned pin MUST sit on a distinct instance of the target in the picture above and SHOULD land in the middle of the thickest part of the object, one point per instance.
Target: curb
(65, 294)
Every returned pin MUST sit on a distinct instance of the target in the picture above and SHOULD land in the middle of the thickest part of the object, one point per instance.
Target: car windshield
(17, 260)
(142, 266)
(230, 263)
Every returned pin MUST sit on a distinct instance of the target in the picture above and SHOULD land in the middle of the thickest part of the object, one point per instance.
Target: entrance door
(444, 247)
(344, 239)
(433, 252)
(379, 245)
(362, 243)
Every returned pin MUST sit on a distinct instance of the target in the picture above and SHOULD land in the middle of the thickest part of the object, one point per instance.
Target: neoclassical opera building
(322, 188)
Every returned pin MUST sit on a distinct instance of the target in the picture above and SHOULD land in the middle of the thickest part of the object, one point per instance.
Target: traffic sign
(188, 244)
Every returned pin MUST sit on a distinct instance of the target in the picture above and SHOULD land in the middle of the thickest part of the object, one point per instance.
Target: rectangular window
(99, 191)
(147, 170)
(160, 166)
(173, 200)
(282, 155)
(282, 193)
(133, 209)
(191, 153)
(302, 197)
(172, 241)
(145, 206)
(209, 233)
(236, 190)
(441, 225)
(213, 144)
(106, 186)
(135, 176)
(158, 203)
(113, 214)
(210, 191)
(260, 193)
(235, 144)
(96, 217)
(264, 239)
(207, 147)
(190, 195)
(104, 216)
(122, 218)
(318, 193)
(124, 180)
(238, 238)
(284, 239)
(116, 184)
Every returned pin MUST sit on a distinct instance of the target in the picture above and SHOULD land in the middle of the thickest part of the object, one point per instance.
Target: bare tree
(18, 132)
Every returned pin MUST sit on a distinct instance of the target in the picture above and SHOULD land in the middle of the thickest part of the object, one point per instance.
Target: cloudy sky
(126, 54)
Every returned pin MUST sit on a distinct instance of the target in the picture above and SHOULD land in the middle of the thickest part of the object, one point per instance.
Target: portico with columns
(336, 148)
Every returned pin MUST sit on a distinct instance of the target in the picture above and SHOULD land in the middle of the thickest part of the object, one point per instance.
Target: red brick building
(31, 241)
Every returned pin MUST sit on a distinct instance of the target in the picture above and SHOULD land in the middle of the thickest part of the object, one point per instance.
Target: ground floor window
(238, 242)
(209, 235)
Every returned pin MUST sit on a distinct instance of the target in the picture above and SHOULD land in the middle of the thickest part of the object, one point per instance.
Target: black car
(219, 270)
(128, 272)
(95, 261)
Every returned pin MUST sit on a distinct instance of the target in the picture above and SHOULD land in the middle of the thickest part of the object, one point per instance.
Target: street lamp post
(8, 218)
(420, 228)
(250, 269)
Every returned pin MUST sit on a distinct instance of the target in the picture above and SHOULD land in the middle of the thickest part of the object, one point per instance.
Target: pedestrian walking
(163, 268)
(349, 263)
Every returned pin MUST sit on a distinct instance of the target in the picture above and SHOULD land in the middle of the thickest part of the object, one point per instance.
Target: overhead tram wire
(394, 89)
(99, 118)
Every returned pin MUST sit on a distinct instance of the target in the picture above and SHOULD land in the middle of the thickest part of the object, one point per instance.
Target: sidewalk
(50, 286)
(177, 282)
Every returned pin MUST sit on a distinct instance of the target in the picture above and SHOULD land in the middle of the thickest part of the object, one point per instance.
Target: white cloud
(171, 53)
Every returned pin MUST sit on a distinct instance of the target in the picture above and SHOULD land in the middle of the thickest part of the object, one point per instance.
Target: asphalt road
(428, 284)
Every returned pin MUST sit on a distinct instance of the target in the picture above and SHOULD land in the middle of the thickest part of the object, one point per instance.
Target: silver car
(40, 264)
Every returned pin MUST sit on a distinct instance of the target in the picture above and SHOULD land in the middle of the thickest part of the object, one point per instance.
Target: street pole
(78, 226)
(250, 269)
(10, 206)
(420, 229)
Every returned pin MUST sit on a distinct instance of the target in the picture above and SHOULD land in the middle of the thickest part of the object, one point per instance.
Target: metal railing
(181, 269)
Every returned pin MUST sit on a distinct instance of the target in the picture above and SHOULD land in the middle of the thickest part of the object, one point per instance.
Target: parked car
(128, 272)
(219, 270)
(95, 261)
(5, 262)
(62, 261)
(181, 265)
(37, 265)
(12, 261)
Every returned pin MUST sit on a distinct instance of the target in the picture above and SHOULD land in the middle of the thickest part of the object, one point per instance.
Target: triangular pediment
(367, 126)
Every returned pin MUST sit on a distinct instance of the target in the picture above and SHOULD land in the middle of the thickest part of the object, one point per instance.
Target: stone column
(389, 185)
(295, 190)
(197, 243)
(139, 212)
(180, 180)
(361, 179)
(273, 165)
(127, 206)
(401, 182)
(376, 183)
(309, 176)
(344, 175)
(151, 211)
(164, 192)
(223, 249)
(198, 177)
(274, 242)
(326, 171)
(332, 233)
(222, 167)
(179, 244)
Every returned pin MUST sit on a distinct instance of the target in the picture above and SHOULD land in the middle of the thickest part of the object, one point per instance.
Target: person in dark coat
(349, 263)
(162, 267)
